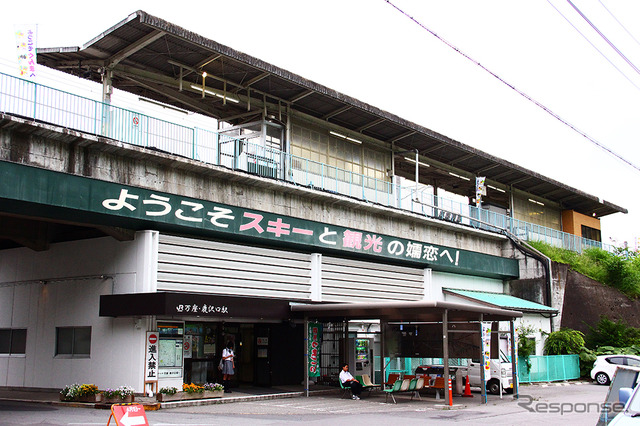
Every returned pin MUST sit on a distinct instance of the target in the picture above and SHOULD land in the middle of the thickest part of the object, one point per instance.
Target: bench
(412, 386)
(366, 383)
(437, 385)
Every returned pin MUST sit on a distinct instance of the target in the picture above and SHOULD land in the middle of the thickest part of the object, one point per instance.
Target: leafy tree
(566, 341)
(609, 333)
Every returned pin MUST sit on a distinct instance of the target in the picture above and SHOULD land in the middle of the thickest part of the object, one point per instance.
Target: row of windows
(70, 341)
(318, 145)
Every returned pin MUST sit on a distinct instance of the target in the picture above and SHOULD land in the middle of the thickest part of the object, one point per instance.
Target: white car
(605, 366)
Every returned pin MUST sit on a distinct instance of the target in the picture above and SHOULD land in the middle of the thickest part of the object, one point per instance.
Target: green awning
(500, 300)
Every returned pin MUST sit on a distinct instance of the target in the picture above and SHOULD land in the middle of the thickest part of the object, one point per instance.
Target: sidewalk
(241, 394)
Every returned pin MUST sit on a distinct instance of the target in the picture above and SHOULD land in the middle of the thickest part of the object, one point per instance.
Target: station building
(115, 225)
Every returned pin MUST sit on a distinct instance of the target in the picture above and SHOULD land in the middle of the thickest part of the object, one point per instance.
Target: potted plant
(213, 390)
(122, 394)
(168, 393)
(81, 393)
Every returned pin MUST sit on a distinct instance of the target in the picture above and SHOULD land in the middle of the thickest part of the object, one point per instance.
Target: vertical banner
(481, 189)
(486, 348)
(151, 358)
(26, 43)
(315, 337)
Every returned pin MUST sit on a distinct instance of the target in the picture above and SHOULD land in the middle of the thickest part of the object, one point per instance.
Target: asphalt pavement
(571, 403)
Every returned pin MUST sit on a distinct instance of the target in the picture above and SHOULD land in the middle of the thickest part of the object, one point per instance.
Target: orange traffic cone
(467, 389)
(450, 394)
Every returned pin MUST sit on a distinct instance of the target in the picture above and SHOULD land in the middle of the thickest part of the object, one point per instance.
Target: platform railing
(49, 105)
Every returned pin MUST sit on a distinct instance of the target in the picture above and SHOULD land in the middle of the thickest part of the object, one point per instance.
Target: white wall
(440, 280)
(61, 287)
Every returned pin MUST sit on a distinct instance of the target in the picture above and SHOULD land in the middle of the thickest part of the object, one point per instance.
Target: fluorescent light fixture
(160, 104)
(496, 189)
(212, 93)
(413, 160)
(536, 202)
(341, 136)
(460, 177)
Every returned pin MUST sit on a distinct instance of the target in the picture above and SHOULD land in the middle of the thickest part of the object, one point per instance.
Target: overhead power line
(521, 93)
(619, 23)
(593, 45)
(613, 46)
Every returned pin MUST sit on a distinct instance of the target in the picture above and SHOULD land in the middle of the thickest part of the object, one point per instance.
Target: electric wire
(619, 23)
(593, 45)
(521, 93)
(613, 46)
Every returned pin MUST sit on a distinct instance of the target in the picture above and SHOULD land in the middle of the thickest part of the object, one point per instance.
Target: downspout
(546, 264)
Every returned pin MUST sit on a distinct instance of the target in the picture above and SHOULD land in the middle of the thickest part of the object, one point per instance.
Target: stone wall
(586, 299)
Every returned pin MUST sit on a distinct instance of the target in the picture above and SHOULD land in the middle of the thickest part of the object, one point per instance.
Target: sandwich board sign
(128, 415)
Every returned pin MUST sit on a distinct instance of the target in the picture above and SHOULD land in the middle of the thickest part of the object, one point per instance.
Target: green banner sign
(313, 348)
(117, 204)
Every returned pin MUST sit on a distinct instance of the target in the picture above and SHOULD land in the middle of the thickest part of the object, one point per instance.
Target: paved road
(573, 404)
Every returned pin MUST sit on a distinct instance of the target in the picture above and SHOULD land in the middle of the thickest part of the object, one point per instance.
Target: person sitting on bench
(348, 381)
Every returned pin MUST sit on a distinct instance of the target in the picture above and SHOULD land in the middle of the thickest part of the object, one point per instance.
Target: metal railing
(549, 368)
(42, 103)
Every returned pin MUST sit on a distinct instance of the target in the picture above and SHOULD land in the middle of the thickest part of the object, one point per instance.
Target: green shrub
(566, 341)
(609, 333)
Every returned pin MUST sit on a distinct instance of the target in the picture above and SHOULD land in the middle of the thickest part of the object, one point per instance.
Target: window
(591, 233)
(633, 362)
(13, 341)
(73, 341)
(618, 360)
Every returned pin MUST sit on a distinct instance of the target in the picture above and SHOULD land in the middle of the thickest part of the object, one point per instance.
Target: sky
(368, 50)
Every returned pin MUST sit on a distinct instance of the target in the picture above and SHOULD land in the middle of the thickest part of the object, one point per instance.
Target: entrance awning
(194, 305)
(500, 300)
(422, 311)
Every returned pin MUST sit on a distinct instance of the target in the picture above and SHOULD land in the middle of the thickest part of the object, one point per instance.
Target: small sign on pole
(151, 359)
(128, 415)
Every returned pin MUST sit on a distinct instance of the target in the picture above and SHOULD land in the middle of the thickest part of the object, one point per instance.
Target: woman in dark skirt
(228, 366)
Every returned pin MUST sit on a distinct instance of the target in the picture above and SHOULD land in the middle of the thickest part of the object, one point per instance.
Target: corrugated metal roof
(148, 55)
(501, 300)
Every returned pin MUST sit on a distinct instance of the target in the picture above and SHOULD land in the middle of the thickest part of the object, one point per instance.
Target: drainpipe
(546, 263)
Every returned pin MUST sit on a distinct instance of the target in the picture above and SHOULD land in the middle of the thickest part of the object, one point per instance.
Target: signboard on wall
(129, 203)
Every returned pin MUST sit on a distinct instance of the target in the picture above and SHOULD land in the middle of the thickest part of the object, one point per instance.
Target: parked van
(500, 373)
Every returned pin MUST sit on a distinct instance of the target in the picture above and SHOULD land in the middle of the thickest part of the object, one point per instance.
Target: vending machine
(360, 356)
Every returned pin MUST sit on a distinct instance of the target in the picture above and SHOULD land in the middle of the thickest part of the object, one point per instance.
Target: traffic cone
(467, 389)
(450, 394)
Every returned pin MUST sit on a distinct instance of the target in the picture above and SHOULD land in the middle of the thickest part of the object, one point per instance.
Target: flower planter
(181, 396)
(214, 394)
(117, 400)
(178, 396)
(86, 398)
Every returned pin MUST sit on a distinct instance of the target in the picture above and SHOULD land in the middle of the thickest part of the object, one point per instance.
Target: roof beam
(462, 158)
(373, 123)
(302, 95)
(133, 48)
(337, 112)
(402, 136)
(256, 79)
(173, 94)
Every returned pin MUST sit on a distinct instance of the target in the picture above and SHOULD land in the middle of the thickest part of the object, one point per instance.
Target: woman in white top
(228, 365)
